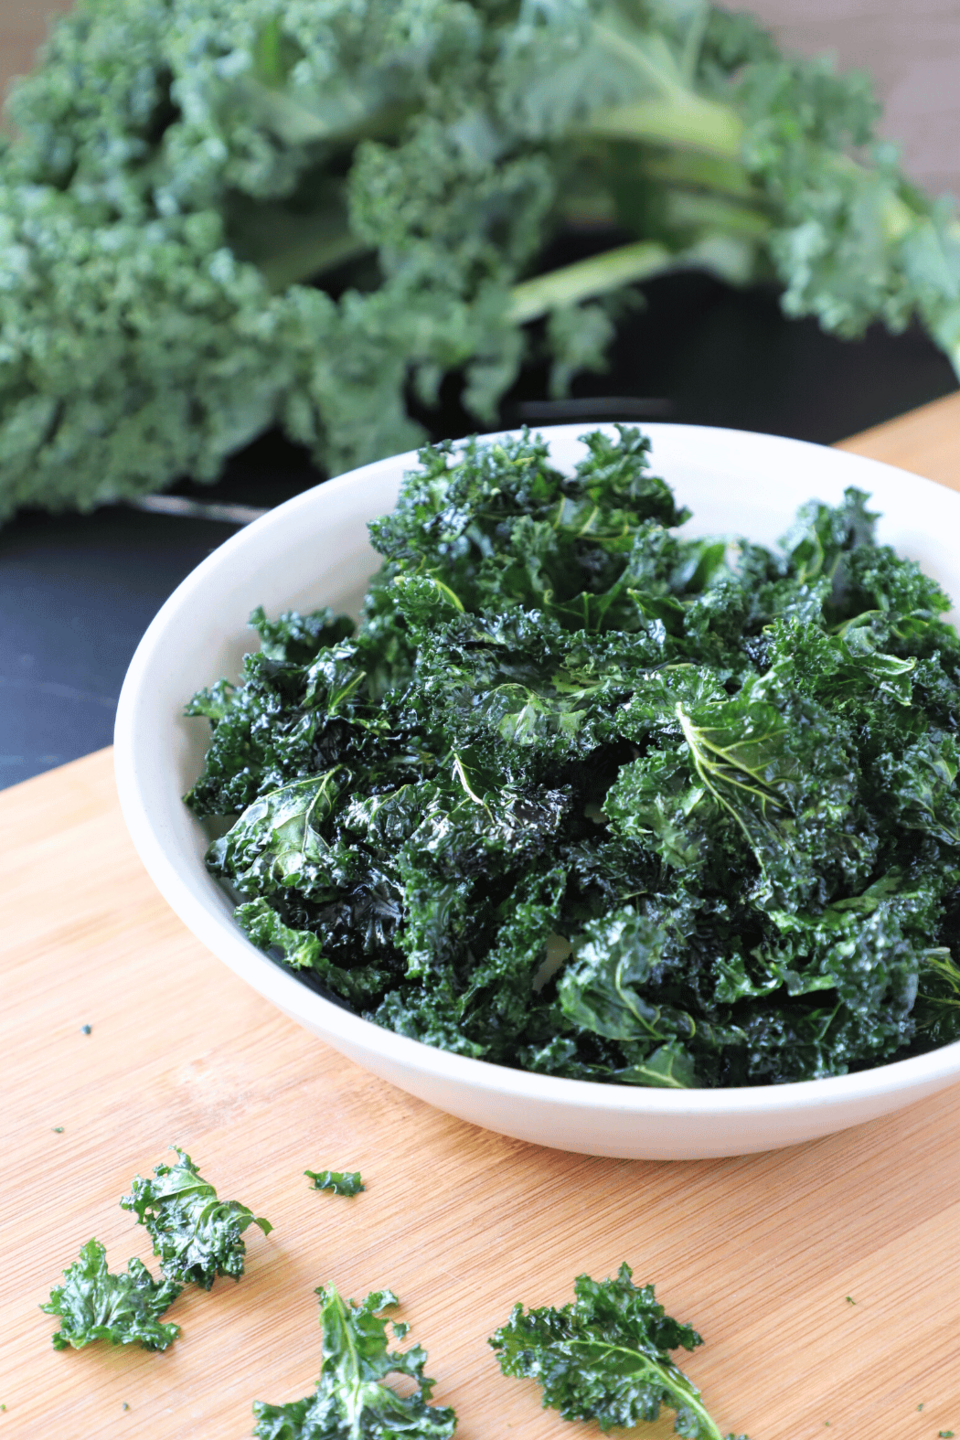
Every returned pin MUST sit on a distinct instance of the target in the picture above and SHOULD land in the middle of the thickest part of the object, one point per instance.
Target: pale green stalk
(587, 278)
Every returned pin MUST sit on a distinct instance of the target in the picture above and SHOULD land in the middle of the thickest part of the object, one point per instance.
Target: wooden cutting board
(825, 1278)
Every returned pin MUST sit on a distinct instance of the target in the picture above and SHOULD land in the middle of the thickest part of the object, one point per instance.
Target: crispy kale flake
(587, 796)
(351, 1401)
(339, 1182)
(123, 1309)
(605, 1357)
(196, 1235)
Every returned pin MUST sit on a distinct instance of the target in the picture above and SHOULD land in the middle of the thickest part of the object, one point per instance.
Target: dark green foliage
(588, 797)
(352, 1400)
(606, 1357)
(196, 1236)
(338, 1182)
(124, 1309)
(601, 994)
(217, 216)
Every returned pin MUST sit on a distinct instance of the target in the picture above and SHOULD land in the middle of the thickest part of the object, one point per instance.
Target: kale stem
(653, 70)
(598, 275)
(670, 1378)
(686, 121)
(719, 174)
(730, 256)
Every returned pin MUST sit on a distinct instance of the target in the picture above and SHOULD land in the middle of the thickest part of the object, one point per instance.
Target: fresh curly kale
(351, 1401)
(338, 1182)
(221, 215)
(195, 1235)
(588, 797)
(605, 1357)
(124, 1309)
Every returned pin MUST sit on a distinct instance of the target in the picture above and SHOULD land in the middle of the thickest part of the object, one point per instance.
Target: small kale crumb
(945, 1434)
(86, 1029)
(125, 1309)
(399, 1328)
(920, 1406)
(339, 1182)
(850, 1300)
(125, 1405)
(58, 1129)
(196, 1235)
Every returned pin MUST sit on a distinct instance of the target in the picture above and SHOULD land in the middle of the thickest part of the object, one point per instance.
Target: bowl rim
(217, 930)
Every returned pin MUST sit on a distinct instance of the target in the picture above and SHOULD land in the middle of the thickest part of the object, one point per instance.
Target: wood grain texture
(926, 441)
(760, 1253)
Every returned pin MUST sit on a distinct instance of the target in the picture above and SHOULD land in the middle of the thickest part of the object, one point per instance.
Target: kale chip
(196, 1236)
(124, 1309)
(351, 1401)
(585, 795)
(338, 1182)
(605, 1357)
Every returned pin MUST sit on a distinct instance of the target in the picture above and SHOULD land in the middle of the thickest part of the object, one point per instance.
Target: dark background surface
(77, 591)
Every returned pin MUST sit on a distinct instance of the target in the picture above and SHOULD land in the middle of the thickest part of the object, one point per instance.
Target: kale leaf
(601, 992)
(351, 1401)
(587, 796)
(196, 1236)
(339, 1182)
(124, 1309)
(605, 1357)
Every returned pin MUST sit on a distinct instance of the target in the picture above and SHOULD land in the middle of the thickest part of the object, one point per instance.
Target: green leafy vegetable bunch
(586, 795)
(606, 1357)
(221, 215)
(196, 1235)
(352, 1400)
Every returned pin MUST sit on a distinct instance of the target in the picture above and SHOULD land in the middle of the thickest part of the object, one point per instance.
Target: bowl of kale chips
(613, 812)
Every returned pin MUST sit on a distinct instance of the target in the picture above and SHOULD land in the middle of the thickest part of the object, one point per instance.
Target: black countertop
(77, 591)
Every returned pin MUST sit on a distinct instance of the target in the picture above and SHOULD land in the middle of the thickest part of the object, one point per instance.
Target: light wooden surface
(926, 441)
(759, 1253)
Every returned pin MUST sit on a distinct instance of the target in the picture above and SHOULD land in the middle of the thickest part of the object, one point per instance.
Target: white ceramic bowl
(313, 550)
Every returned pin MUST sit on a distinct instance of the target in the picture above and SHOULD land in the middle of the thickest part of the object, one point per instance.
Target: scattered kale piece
(340, 1182)
(585, 795)
(216, 218)
(196, 1236)
(124, 1309)
(605, 1357)
(351, 1401)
